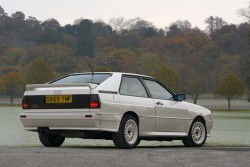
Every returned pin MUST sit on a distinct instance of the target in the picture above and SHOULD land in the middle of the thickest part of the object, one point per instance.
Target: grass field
(230, 129)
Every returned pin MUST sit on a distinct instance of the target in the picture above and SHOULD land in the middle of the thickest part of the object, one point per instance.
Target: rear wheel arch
(127, 136)
(133, 114)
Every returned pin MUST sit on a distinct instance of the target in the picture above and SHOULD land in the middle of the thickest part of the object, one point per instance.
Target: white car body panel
(172, 119)
(145, 109)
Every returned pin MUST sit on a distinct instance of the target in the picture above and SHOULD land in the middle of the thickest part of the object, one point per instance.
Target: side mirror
(180, 97)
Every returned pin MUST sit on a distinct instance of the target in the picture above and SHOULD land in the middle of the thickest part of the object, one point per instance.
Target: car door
(171, 115)
(134, 97)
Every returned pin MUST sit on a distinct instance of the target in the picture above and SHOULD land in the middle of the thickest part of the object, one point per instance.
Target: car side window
(132, 87)
(158, 91)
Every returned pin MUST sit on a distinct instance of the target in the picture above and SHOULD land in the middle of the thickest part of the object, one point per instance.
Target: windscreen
(83, 78)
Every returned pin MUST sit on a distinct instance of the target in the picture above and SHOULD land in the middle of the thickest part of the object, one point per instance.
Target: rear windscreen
(83, 78)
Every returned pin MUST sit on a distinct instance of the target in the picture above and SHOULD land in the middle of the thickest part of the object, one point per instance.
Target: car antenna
(92, 71)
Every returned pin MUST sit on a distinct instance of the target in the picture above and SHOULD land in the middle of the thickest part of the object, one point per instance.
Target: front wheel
(128, 135)
(51, 140)
(197, 134)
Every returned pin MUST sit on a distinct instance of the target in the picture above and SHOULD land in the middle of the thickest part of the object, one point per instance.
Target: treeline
(185, 58)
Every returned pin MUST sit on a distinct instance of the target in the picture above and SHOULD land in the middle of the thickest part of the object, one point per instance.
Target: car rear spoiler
(33, 87)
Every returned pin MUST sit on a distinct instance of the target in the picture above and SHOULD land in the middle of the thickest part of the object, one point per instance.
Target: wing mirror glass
(180, 97)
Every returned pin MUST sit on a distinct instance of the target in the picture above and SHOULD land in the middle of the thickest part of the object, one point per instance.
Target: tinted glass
(132, 87)
(158, 91)
(84, 78)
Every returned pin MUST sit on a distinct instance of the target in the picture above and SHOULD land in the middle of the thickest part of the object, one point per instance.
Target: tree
(18, 16)
(120, 59)
(118, 24)
(230, 87)
(226, 64)
(172, 31)
(33, 29)
(14, 56)
(11, 84)
(49, 36)
(193, 82)
(50, 24)
(168, 76)
(86, 39)
(142, 27)
(248, 87)
(8, 69)
(183, 25)
(60, 57)
(245, 58)
(39, 72)
(102, 69)
(177, 48)
(245, 12)
(2, 13)
(230, 39)
(213, 24)
(148, 62)
(101, 29)
(178, 27)
(196, 87)
(127, 39)
(245, 70)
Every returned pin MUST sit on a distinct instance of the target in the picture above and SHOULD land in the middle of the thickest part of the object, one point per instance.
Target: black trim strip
(107, 92)
(39, 102)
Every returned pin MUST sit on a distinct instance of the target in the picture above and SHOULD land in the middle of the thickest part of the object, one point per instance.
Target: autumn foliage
(187, 59)
(230, 87)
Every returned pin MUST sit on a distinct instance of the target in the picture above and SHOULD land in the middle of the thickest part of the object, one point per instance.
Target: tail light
(25, 104)
(94, 101)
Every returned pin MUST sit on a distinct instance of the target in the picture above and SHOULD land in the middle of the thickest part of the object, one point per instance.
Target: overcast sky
(160, 12)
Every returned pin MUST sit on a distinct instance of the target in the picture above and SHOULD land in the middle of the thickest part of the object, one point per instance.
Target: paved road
(109, 156)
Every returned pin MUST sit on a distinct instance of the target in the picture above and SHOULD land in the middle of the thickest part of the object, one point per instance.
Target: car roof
(120, 73)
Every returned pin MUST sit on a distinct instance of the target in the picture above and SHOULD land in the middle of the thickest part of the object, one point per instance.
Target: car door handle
(159, 103)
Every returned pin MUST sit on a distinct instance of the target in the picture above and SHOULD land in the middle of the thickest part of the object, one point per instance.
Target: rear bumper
(70, 121)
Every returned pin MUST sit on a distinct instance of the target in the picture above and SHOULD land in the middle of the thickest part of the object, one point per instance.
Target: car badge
(57, 92)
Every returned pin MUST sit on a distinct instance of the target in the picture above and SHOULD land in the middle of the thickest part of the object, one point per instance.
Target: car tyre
(51, 140)
(127, 136)
(197, 134)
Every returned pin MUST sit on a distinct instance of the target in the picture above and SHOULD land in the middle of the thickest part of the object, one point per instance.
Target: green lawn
(230, 129)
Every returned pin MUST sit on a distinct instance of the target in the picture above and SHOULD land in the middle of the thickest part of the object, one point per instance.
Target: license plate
(59, 99)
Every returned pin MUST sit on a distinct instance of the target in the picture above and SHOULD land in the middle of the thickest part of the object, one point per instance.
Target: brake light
(94, 101)
(25, 104)
(94, 105)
